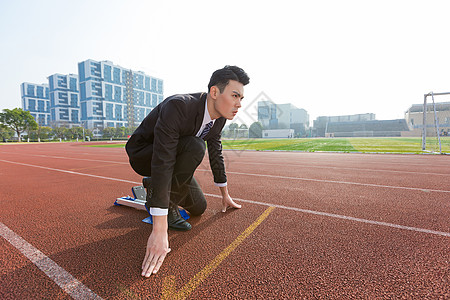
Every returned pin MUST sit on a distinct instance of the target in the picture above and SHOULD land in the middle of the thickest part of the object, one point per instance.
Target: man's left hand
(228, 202)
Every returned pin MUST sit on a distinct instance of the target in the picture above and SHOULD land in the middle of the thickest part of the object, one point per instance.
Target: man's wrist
(224, 191)
(160, 224)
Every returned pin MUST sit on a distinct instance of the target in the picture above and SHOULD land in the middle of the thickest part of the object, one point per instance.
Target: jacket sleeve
(167, 133)
(216, 159)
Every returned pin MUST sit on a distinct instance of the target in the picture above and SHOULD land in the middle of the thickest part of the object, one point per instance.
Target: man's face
(228, 102)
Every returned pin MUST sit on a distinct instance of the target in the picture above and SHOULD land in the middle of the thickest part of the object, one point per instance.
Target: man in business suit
(169, 145)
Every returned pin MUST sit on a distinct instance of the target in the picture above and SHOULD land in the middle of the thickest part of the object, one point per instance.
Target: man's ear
(214, 91)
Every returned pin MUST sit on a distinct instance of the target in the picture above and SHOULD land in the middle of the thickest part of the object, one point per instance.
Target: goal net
(436, 123)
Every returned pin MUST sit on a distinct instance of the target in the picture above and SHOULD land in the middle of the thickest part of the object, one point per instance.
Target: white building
(112, 96)
(283, 116)
(64, 100)
(278, 133)
(35, 99)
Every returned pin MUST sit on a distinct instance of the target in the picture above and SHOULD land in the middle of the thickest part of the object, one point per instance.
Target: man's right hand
(157, 247)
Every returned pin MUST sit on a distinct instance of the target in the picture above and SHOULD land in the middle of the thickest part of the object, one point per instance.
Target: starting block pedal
(138, 202)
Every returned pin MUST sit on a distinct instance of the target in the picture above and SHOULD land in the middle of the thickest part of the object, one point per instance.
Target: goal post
(430, 125)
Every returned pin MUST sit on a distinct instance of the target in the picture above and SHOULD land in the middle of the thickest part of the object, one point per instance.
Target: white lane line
(73, 158)
(339, 182)
(320, 213)
(61, 277)
(343, 168)
(250, 163)
(265, 204)
(69, 172)
(386, 155)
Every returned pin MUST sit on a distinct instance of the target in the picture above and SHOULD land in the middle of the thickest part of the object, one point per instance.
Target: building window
(154, 87)
(40, 92)
(73, 84)
(107, 73)
(108, 92)
(147, 83)
(73, 100)
(74, 116)
(95, 69)
(81, 71)
(117, 94)
(63, 98)
(30, 90)
(263, 112)
(116, 75)
(83, 111)
(62, 81)
(31, 105)
(41, 106)
(64, 114)
(109, 111)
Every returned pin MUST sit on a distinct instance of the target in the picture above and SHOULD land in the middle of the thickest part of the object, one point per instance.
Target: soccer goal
(436, 119)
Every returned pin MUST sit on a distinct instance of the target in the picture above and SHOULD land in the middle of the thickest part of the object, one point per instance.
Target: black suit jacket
(158, 134)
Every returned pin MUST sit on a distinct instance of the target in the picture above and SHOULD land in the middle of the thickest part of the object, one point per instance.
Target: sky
(325, 56)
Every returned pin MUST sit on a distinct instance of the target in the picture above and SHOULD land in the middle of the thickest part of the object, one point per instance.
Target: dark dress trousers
(168, 134)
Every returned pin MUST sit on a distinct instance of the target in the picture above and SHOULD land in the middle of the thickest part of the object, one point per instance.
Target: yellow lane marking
(169, 289)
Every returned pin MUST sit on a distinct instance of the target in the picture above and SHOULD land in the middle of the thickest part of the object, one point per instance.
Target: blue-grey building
(274, 116)
(64, 100)
(35, 99)
(112, 96)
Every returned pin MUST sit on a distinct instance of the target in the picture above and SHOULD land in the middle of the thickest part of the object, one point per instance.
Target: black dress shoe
(176, 221)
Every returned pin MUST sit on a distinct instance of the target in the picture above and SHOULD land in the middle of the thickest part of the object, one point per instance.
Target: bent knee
(194, 145)
(198, 209)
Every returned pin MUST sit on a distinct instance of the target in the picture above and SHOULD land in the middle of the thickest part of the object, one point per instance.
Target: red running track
(344, 226)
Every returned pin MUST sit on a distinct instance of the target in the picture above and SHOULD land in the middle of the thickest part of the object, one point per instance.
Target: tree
(18, 120)
(233, 126)
(232, 130)
(109, 132)
(121, 132)
(255, 130)
(42, 133)
(76, 132)
(88, 133)
(130, 130)
(6, 133)
(45, 133)
(60, 132)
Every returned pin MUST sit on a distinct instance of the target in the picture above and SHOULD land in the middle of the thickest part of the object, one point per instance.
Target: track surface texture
(342, 226)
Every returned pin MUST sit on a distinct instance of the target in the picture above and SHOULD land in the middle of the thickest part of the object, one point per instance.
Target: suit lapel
(200, 113)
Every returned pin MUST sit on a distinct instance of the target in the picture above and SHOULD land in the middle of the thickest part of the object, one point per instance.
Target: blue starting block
(138, 202)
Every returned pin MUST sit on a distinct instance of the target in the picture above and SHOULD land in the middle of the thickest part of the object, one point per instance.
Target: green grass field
(363, 145)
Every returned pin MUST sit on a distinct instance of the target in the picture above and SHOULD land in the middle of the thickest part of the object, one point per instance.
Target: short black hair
(222, 77)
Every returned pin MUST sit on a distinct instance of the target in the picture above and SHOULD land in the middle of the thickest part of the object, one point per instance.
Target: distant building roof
(439, 107)
(373, 125)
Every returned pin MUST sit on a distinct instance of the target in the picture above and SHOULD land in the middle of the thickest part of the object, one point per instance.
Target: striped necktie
(206, 129)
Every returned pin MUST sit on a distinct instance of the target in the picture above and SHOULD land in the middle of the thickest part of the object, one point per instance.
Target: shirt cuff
(155, 211)
(220, 184)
